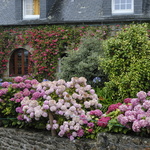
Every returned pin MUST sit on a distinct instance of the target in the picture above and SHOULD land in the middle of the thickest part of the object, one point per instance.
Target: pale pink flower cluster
(136, 114)
(32, 109)
(55, 125)
(67, 99)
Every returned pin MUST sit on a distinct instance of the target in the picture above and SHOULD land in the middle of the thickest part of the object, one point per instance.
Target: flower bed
(69, 109)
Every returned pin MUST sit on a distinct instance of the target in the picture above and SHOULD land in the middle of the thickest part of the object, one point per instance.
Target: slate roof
(92, 11)
(75, 11)
(6, 13)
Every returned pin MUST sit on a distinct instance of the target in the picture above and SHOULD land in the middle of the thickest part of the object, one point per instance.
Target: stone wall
(18, 139)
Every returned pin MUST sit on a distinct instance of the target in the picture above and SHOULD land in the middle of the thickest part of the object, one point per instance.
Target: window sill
(31, 17)
(122, 13)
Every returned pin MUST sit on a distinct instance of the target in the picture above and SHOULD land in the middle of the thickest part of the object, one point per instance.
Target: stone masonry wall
(19, 139)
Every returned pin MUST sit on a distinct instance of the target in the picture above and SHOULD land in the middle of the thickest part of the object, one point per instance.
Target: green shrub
(84, 62)
(127, 62)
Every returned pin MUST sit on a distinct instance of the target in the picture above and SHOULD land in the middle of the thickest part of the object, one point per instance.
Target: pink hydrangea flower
(90, 130)
(53, 108)
(21, 85)
(63, 107)
(28, 85)
(46, 102)
(74, 134)
(14, 85)
(34, 81)
(87, 104)
(27, 81)
(48, 126)
(131, 118)
(3, 91)
(148, 94)
(146, 104)
(72, 108)
(143, 123)
(134, 101)
(113, 107)
(36, 95)
(80, 132)
(45, 107)
(127, 100)
(19, 117)
(136, 126)
(141, 95)
(31, 114)
(55, 126)
(122, 119)
(5, 84)
(19, 110)
(123, 107)
(130, 112)
(90, 124)
(18, 79)
(103, 121)
(92, 91)
(61, 133)
(26, 92)
(18, 95)
(44, 114)
(96, 112)
(71, 138)
(140, 116)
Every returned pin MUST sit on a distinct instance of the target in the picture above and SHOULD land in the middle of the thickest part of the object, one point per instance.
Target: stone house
(55, 12)
(29, 12)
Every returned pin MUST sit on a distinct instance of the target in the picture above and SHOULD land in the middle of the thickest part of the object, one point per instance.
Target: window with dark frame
(19, 63)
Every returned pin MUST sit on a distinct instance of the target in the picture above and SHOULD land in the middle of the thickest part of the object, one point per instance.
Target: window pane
(129, 1)
(19, 62)
(122, 6)
(29, 12)
(122, 1)
(25, 58)
(128, 6)
(29, 2)
(28, 7)
(117, 1)
(116, 7)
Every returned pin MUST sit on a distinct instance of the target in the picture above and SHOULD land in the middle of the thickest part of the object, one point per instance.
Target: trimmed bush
(127, 62)
(84, 62)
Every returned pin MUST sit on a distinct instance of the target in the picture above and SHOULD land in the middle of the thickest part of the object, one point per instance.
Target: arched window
(19, 63)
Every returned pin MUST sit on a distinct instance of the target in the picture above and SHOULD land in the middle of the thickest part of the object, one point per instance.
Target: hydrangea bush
(70, 109)
(11, 94)
(63, 103)
(136, 113)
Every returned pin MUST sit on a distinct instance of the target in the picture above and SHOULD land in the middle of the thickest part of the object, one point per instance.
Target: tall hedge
(127, 62)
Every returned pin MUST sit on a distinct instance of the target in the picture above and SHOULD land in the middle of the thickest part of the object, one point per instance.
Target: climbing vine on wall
(48, 42)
